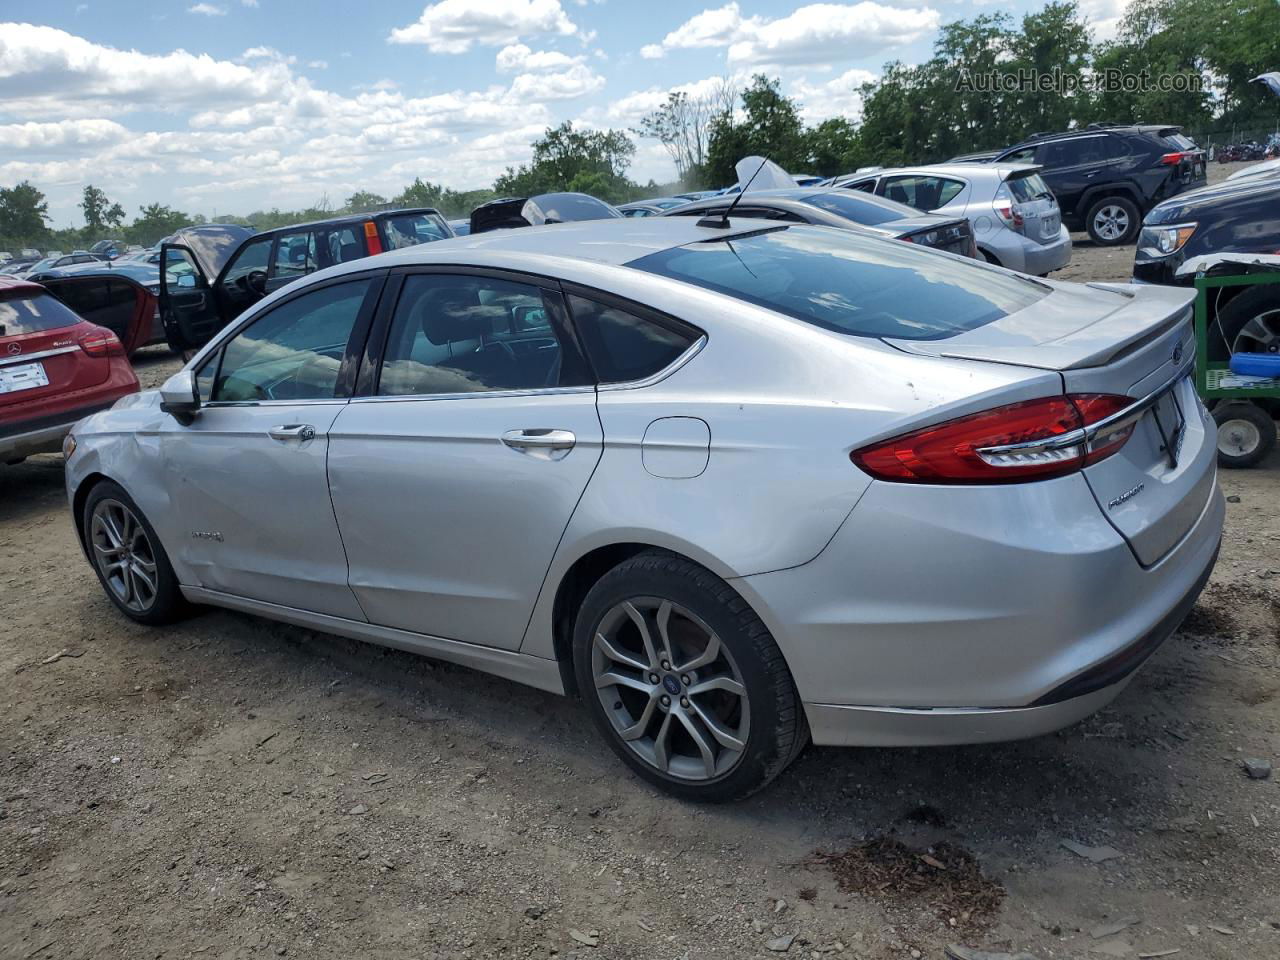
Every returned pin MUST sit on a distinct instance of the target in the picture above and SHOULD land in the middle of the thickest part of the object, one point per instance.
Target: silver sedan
(738, 485)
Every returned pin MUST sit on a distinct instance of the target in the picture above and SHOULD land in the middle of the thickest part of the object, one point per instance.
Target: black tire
(167, 605)
(1224, 330)
(777, 727)
(1123, 207)
(991, 258)
(1246, 434)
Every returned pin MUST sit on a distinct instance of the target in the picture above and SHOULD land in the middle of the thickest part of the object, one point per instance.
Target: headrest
(453, 314)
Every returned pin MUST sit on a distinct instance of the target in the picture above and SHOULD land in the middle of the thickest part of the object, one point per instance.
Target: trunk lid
(1036, 204)
(1130, 341)
(953, 236)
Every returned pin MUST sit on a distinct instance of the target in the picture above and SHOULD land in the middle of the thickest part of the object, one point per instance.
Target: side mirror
(256, 280)
(180, 398)
(187, 280)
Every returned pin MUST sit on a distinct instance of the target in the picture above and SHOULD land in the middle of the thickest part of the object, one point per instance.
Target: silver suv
(1013, 213)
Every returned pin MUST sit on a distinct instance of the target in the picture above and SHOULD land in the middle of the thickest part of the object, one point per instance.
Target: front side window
(294, 351)
(848, 282)
(295, 255)
(622, 346)
(253, 257)
(465, 334)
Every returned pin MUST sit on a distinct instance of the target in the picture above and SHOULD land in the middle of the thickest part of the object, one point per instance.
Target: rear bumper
(1019, 253)
(43, 435)
(959, 615)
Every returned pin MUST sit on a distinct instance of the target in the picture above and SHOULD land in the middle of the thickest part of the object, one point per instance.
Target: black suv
(210, 274)
(1106, 176)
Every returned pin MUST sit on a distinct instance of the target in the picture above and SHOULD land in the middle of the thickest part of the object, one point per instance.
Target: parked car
(507, 212)
(55, 260)
(5, 256)
(55, 368)
(17, 265)
(1106, 177)
(696, 474)
(121, 295)
(697, 195)
(460, 228)
(108, 249)
(1240, 216)
(650, 208)
(982, 156)
(1267, 168)
(211, 273)
(834, 207)
(1014, 217)
(30, 253)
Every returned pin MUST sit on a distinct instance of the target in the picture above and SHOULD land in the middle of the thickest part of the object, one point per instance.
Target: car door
(188, 306)
(249, 469)
(296, 254)
(1071, 167)
(243, 281)
(454, 475)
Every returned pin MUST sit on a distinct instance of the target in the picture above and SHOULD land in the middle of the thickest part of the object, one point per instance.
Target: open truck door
(191, 262)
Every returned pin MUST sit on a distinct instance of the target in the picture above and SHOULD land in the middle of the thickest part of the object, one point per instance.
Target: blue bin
(1256, 364)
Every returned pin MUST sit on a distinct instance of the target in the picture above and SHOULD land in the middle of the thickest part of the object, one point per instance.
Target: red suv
(55, 368)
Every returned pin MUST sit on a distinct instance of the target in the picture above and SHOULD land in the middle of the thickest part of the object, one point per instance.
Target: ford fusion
(738, 485)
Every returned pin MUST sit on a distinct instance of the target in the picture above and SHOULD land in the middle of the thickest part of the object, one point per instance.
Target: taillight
(101, 342)
(1032, 440)
(1170, 159)
(372, 240)
(1006, 210)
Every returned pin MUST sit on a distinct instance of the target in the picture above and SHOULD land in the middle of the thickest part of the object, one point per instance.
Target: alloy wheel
(670, 688)
(124, 555)
(1261, 334)
(1111, 222)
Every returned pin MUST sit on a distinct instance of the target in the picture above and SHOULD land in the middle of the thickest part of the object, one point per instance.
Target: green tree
(770, 127)
(23, 212)
(99, 212)
(563, 155)
(683, 125)
(155, 223)
(362, 201)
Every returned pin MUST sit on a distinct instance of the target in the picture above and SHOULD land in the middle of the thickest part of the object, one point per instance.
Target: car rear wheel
(1246, 434)
(1112, 221)
(684, 681)
(1248, 324)
(127, 556)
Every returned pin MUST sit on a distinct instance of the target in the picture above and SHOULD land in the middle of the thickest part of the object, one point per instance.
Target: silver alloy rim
(670, 688)
(124, 555)
(1260, 335)
(1111, 222)
(1238, 438)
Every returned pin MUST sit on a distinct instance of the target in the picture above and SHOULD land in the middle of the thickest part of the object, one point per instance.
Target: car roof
(12, 286)
(1003, 170)
(349, 218)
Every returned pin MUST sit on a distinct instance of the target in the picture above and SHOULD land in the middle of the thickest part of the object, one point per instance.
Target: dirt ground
(233, 788)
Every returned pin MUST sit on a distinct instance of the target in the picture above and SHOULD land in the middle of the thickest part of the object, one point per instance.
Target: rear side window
(922, 192)
(623, 346)
(34, 315)
(295, 255)
(345, 245)
(411, 229)
(849, 282)
(856, 206)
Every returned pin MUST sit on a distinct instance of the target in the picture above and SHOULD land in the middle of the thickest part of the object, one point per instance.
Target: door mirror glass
(187, 280)
(179, 396)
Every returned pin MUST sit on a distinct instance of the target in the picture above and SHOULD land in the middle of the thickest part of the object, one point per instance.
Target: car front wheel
(127, 556)
(685, 681)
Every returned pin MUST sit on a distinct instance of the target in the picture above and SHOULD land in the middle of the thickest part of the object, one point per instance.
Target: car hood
(1186, 205)
(212, 244)
(1074, 326)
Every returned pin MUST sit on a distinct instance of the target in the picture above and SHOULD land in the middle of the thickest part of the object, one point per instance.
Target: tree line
(912, 114)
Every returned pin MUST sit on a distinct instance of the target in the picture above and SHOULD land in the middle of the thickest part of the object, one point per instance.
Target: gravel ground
(233, 788)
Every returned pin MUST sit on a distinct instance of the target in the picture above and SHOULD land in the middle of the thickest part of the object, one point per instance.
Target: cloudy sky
(233, 105)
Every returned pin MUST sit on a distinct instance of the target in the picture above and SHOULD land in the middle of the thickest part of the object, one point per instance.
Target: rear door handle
(293, 431)
(542, 444)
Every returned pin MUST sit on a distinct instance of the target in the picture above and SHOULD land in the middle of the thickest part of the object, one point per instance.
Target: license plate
(22, 376)
(1171, 423)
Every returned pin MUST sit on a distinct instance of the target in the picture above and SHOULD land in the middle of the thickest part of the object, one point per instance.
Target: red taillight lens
(1032, 440)
(101, 342)
(372, 240)
(1171, 159)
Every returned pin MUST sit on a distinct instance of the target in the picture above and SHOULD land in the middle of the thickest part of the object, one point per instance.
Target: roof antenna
(722, 222)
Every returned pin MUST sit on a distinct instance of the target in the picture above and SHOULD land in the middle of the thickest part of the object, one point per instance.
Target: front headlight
(68, 446)
(1164, 240)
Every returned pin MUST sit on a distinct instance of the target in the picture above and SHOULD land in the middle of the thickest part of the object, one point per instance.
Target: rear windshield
(849, 282)
(34, 315)
(858, 207)
(1179, 141)
(411, 229)
(1028, 187)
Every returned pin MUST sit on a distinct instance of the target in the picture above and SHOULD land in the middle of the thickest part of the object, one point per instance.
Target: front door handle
(542, 444)
(293, 431)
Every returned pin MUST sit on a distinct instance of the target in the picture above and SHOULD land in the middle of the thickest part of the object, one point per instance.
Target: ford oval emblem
(671, 684)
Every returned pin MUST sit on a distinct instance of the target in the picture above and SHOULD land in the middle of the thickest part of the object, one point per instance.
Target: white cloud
(318, 64)
(70, 134)
(839, 97)
(1104, 16)
(519, 57)
(454, 26)
(207, 10)
(577, 81)
(815, 35)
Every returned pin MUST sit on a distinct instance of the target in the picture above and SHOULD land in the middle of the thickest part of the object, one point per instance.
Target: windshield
(1029, 187)
(849, 282)
(859, 207)
(33, 315)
